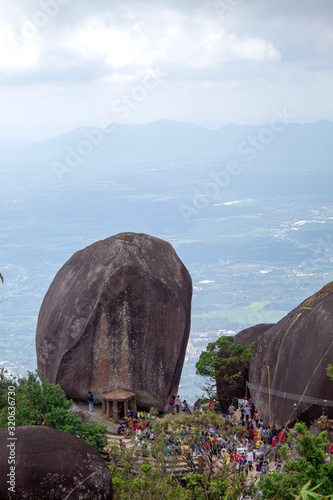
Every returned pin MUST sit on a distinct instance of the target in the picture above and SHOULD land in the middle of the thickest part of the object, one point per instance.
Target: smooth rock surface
(297, 349)
(249, 335)
(49, 464)
(117, 315)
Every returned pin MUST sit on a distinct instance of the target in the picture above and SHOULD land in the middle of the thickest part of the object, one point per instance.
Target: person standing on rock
(231, 411)
(173, 404)
(178, 403)
(252, 410)
(90, 401)
(256, 418)
(250, 459)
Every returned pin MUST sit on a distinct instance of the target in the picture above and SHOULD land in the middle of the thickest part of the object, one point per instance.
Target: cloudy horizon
(67, 63)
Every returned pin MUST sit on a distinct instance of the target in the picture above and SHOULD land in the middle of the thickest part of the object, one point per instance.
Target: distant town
(198, 342)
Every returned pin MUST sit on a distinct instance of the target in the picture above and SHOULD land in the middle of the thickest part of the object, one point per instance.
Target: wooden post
(269, 399)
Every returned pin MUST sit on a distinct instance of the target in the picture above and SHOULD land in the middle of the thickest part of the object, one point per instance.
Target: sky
(69, 63)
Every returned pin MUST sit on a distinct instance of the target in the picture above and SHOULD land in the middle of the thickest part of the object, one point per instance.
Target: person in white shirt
(249, 458)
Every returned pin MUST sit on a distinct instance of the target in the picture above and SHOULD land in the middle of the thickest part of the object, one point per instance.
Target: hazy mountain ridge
(169, 139)
(255, 248)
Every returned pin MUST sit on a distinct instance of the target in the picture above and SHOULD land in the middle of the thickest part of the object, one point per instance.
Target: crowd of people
(240, 439)
(177, 405)
(243, 439)
(136, 425)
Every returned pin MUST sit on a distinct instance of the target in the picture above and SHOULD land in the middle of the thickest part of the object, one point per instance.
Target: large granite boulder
(249, 335)
(297, 350)
(49, 464)
(117, 316)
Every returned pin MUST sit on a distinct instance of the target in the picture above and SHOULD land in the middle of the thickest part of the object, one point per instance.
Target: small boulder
(249, 335)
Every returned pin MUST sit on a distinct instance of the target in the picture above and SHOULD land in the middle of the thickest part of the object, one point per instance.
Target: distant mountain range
(166, 139)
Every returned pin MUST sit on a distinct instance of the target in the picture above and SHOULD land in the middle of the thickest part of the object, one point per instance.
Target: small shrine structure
(115, 404)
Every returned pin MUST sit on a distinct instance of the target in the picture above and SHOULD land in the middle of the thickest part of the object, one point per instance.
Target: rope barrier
(288, 395)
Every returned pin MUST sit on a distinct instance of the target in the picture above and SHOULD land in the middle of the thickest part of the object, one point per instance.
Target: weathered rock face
(293, 349)
(50, 464)
(117, 315)
(249, 335)
(226, 392)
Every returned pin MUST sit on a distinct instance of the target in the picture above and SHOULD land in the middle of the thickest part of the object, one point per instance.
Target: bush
(43, 403)
(309, 468)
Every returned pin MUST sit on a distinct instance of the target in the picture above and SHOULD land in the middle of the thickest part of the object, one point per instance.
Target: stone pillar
(104, 406)
(126, 408)
(109, 404)
(115, 411)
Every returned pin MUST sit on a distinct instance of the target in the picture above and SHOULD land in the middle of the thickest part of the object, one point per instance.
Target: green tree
(228, 364)
(43, 403)
(310, 470)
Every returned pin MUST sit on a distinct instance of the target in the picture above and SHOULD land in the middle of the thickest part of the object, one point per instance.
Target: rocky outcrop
(234, 369)
(249, 335)
(320, 425)
(50, 464)
(227, 391)
(297, 350)
(117, 315)
(86, 419)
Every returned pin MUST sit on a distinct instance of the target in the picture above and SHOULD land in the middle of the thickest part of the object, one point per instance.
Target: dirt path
(97, 416)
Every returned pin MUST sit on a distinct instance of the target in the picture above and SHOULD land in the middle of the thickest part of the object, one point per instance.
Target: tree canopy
(310, 468)
(227, 363)
(43, 403)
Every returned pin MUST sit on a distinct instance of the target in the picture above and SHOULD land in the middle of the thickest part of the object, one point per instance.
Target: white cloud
(253, 49)
(17, 52)
(171, 39)
(233, 67)
(116, 46)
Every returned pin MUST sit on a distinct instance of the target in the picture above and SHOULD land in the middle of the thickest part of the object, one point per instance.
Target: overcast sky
(66, 63)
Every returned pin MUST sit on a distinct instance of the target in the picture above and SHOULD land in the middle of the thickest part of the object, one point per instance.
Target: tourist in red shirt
(281, 436)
